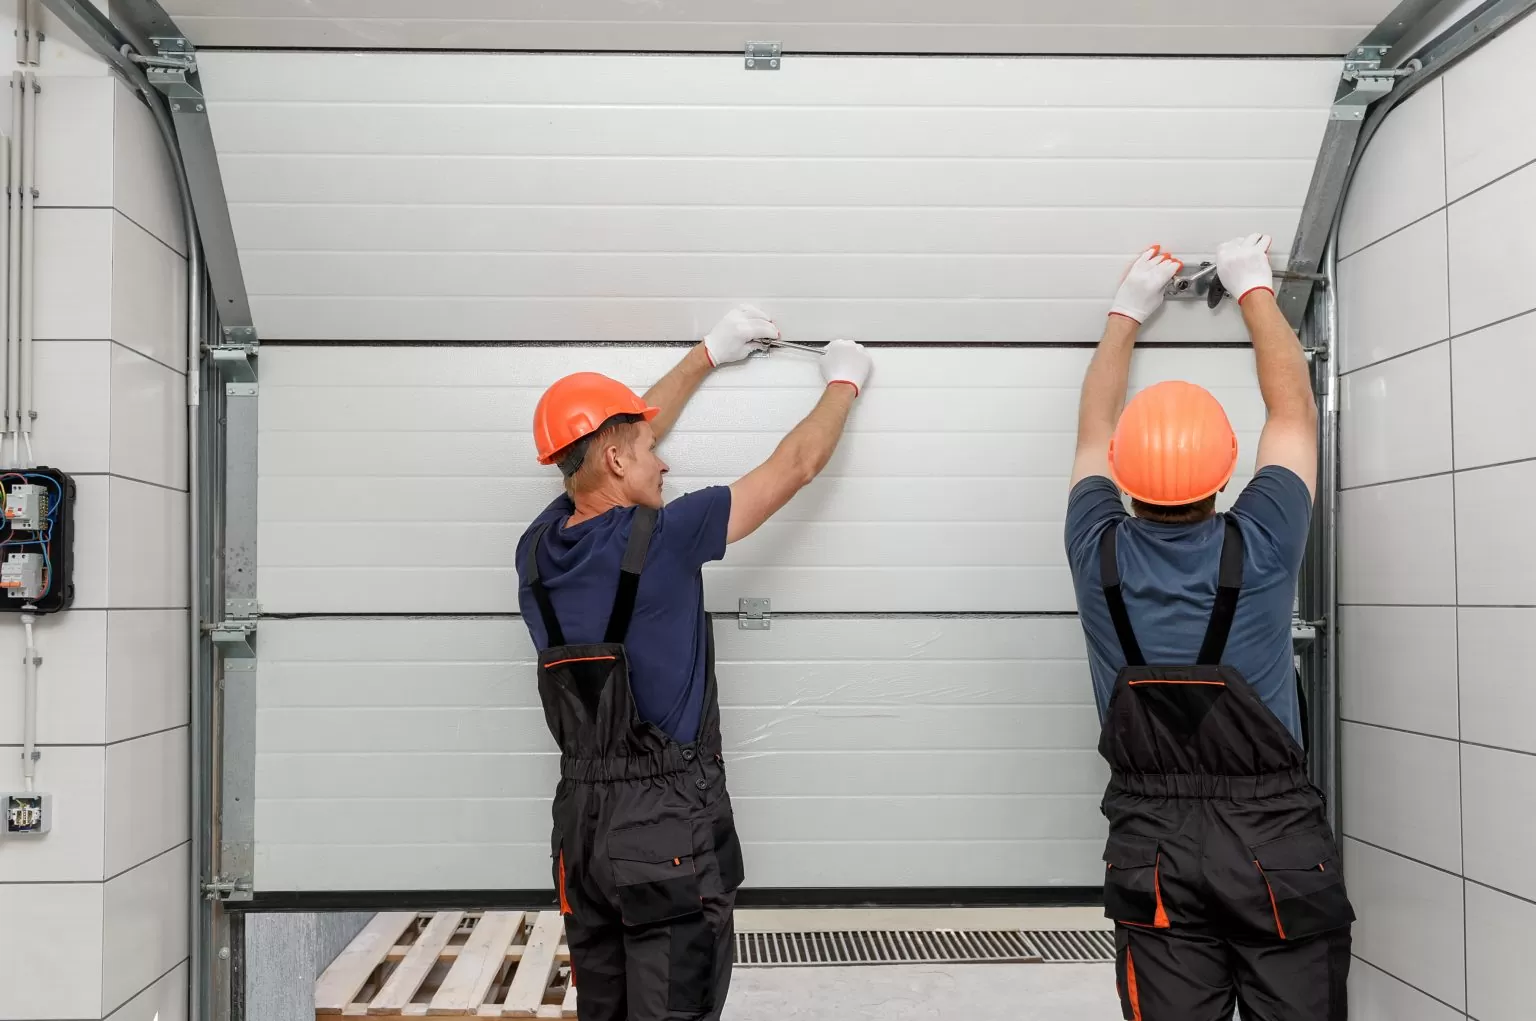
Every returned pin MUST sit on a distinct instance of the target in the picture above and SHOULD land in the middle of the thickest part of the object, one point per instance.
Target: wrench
(795, 347)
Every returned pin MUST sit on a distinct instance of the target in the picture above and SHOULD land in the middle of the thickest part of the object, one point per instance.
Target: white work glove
(1243, 265)
(1141, 289)
(843, 361)
(739, 334)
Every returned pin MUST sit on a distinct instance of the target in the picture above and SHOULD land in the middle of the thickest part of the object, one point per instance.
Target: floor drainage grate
(883, 946)
(1073, 946)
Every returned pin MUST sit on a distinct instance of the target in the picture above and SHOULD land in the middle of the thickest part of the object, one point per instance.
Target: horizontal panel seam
(1398, 978)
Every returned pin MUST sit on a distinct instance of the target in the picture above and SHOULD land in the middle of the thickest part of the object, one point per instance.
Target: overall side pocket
(1132, 891)
(654, 872)
(1306, 890)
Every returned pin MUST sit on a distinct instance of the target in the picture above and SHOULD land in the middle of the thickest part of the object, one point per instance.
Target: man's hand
(1141, 289)
(843, 361)
(1243, 265)
(739, 334)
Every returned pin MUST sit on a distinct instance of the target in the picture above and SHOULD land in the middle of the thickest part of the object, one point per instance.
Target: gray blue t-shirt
(669, 633)
(1168, 576)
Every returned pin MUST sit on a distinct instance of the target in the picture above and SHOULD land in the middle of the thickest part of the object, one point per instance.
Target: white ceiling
(1236, 27)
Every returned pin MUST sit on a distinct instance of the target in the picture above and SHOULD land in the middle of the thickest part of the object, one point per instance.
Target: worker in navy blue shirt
(646, 859)
(1221, 870)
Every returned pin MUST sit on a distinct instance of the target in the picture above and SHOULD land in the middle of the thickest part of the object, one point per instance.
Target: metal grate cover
(919, 946)
(1073, 946)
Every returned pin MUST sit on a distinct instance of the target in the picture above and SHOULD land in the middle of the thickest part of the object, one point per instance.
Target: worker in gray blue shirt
(1221, 871)
(644, 850)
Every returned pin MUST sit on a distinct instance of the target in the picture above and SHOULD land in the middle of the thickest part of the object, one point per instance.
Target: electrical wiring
(55, 501)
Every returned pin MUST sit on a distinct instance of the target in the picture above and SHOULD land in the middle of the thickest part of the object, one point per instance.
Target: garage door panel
(575, 79)
(274, 231)
(580, 183)
(769, 278)
(522, 367)
(879, 819)
(299, 458)
(895, 726)
(937, 863)
(379, 128)
(939, 320)
(945, 496)
(366, 777)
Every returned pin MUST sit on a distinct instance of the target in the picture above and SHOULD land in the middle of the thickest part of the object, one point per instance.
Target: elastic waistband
(674, 759)
(1209, 785)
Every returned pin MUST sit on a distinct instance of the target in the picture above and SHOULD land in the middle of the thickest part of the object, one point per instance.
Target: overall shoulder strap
(1109, 578)
(640, 531)
(1229, 585)
(552, 631)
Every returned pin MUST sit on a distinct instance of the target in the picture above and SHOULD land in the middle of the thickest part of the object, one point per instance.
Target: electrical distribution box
(37, 540)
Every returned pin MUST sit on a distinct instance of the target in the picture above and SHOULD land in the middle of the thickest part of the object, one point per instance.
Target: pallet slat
(401, 988)
(345, 978)
(435, 976)
(478, 963)
(526, 993)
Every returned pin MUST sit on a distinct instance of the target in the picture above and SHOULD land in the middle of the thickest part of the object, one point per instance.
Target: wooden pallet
(452, 964)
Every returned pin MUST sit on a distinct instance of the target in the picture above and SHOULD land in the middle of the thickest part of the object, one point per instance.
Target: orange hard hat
(577, 406)
(1173, 445)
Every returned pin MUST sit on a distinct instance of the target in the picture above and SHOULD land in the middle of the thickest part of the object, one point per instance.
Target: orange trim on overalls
(1130, 986)
(1273, 904)
(582, 659)
(1160, 919)
(565, 905)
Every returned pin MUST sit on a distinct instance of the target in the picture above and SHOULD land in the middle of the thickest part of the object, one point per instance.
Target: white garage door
(430, 240)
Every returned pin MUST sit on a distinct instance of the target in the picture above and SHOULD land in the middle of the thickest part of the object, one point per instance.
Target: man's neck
(593, 505)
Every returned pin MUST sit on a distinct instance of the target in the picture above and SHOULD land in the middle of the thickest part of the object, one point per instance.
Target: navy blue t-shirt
(668, 633)
(1168, 575)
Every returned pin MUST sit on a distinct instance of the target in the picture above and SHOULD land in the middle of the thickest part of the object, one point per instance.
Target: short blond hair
(576, 462)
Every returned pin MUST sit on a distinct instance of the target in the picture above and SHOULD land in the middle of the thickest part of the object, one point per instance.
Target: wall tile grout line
(1406, 857)
(1397, 357)
(1461, 772)
(157, 980)
(103, 744)
(1396, 977)
(1394, 233)
(168, 246)
(1440, 475)
(97, 882)
(1452, 336)
(1527, 165)
(1437, 737)
(126, 478)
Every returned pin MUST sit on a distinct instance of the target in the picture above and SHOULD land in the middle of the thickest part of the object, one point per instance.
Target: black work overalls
(646, 858)
(1221, 867)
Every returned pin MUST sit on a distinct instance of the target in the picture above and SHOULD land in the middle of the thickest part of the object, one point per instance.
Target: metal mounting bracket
(235, 638)
(229, 888)
(754, 614)
(1363, 82)
(763, 56)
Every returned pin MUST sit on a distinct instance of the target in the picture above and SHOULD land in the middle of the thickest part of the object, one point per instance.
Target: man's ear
(613, 457)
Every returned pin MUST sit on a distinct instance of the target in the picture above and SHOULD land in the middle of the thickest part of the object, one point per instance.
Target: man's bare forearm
(672, 391)
(1282, 366)
(1105, 383)
(809, 445)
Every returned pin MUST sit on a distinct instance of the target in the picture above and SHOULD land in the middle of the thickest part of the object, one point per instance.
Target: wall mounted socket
(26, 815)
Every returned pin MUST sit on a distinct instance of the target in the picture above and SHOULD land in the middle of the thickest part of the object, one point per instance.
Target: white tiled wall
(94, 914)
(1438, 560)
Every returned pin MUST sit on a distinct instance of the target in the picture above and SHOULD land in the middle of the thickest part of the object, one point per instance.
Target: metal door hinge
(235, 638)
(754, 614)
(236, 358)
(763, 56)
(1364, 81)
(222, 888)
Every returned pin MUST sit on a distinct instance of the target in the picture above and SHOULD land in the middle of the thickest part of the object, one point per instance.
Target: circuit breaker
(36, 540)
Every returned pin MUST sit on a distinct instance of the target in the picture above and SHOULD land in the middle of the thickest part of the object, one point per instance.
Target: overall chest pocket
(1305, 887)
(1132, 889)
(654, 871)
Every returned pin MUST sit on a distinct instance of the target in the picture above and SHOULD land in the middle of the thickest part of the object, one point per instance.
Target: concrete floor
(961, 992)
